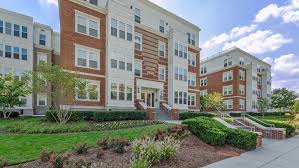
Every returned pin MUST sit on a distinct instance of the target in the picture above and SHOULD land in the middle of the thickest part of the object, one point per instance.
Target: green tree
(295, 109)
(283, 99)
(215, 102)
(204, 103)
(11, 90)
(264, 105)
(62, 87)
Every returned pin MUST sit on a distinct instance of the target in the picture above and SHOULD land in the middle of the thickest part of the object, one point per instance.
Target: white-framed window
(241, 104)
(181, 51)
(242, 61)
(254, 104)
(227, 90)
(122, 30)
(16, 53)
(228, 62)
(113, 91)
(162, 26)
(191, 39)
(1, 26)
(129, 66)
(203, 70)
(259, 80)
(41, 100)
(242, 89)
(129, 93)
(89, 92)
(191, 59)
(162, 49)
(87, 57)
(114, 27)
(242, 75)
(203, 92)
(180, 97)
(191, 79)
(192, 99)
(204, 82)
(180, 73)
(138, 68)
(16, 30)
(228, 76)
(42, 39)
(24, 32)
(162, 72)
(8, 51)
(1, 50)
(137, 15)
(228, 104)
(94, 2)
(24, 54)
(88, 25)
(138, 41)
(122, 91)
(8, 28)
(42, 58)
(259, 93)
(113, 63)
(129, 32)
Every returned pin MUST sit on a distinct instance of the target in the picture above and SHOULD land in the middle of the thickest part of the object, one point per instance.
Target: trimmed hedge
(258, 114)
(214, 133)
(12, 115)
(187, 115)
(290, 130)
(100, 116)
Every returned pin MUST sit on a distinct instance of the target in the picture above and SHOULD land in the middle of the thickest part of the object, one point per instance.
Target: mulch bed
(193, 153)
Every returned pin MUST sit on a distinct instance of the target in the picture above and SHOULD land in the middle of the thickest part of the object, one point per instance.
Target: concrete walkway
(273, 154)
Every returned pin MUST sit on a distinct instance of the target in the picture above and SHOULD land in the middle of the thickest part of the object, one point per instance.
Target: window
(192, 79)
(162, 26)
(203, 70)
(94, 2)
(129, 93)
(228, 104)
(162, 49)
(137, 15)
(203, 93)
(228, 76)
(8, 28)
(254, 104)
(204, 82)
(24, 32)
(176, 49)
(180, 97)
(228, 62)
(42, 39)
(259, 93)
(242, 89)
(87, 26)
(122, 65)
(191, 39)
(185, 52)
(1, 50)
(161, 73)
(242, 75)
(8, 51)
(138, 68)
(181, 51)
(113, 91)
(114, 27)
(23, 102)
(191, 99)
(24, 54)
(122, 31)
(93, 92)
(129, 67)
(87, 57)
(129, 32)
(16, 53)
(180, 74)
(16, 31)
(41, 58)
(241, 104)
(138, 41)
(113, 63)
(41, 100)
(90, 92)
(227, 90)
(192, 59)
(1, 26)
(122, 92)
(259, 80)
(242, 61)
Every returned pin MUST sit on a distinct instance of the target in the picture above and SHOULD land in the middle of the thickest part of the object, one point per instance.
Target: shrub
(3, 163)
(241, 139)
(139, 164)
(45, 155)
(76, 116)
(80, 163)
(81, 148)
(118, 144)
(187, 115)
(58, 160)
(169, 148)
(104, 142)
(290, 129)
(258, 114)
(12, 115)
(119, 116)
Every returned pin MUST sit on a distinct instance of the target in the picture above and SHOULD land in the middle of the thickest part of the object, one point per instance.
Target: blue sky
(266, 29)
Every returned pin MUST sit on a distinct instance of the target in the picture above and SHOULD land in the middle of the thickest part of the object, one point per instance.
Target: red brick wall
(195, 70)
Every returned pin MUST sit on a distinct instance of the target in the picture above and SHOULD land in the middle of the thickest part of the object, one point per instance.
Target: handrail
(252, 129)
(258, 120)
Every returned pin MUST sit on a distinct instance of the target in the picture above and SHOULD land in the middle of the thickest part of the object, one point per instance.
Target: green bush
(75, 117)
(81, 148)
(119, 116)
(214, 133)
(12, 115)
(256, 114)
(290, 130)
(187, 115)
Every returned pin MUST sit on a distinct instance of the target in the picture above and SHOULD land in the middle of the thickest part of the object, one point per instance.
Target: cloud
(259, 42)
(224, 37)
(49, 2)
(264, 14)
(285, 71)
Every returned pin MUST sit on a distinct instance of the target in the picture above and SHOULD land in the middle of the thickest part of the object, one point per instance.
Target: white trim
(88, 50)
(194, 95)
(39, 96)
(98, 89)
(88, 19)
(161, 43)
(141, 40)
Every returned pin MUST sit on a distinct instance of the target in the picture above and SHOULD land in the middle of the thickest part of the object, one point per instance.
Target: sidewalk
(273, 154)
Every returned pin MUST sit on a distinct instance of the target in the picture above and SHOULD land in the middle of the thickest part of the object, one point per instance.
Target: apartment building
(241, 77)
(130, 50)
(24, 43)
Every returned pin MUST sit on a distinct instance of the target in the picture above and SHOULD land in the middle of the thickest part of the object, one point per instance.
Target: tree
(204, 103)
(215, 102)
(11, 90)
(295, 109)
(62, 87)
(264, 105)
(283, 99)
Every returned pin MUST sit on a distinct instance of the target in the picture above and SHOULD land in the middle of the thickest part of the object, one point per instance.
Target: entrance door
(149, 99)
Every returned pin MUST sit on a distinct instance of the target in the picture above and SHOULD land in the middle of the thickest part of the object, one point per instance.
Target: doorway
(149, 98)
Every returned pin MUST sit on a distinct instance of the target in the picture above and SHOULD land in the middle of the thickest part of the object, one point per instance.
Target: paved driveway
(274, 154)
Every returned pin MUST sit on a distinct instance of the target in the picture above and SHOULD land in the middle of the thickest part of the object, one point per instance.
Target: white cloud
(295, 3)
(239, 31)
(49, 2)
(259, 42)
(264, 14)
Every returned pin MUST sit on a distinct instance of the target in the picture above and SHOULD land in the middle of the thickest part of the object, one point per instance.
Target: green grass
(34, 125)
(281, 119)
(17, 148)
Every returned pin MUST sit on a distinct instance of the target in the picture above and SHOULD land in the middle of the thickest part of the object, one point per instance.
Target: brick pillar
(259, 140)
(174, 114)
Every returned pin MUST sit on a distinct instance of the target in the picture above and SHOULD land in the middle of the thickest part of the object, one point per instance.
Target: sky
(267, 29)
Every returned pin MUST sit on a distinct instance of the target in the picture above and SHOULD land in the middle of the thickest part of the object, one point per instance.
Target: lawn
(280, 119)
(17, 148)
